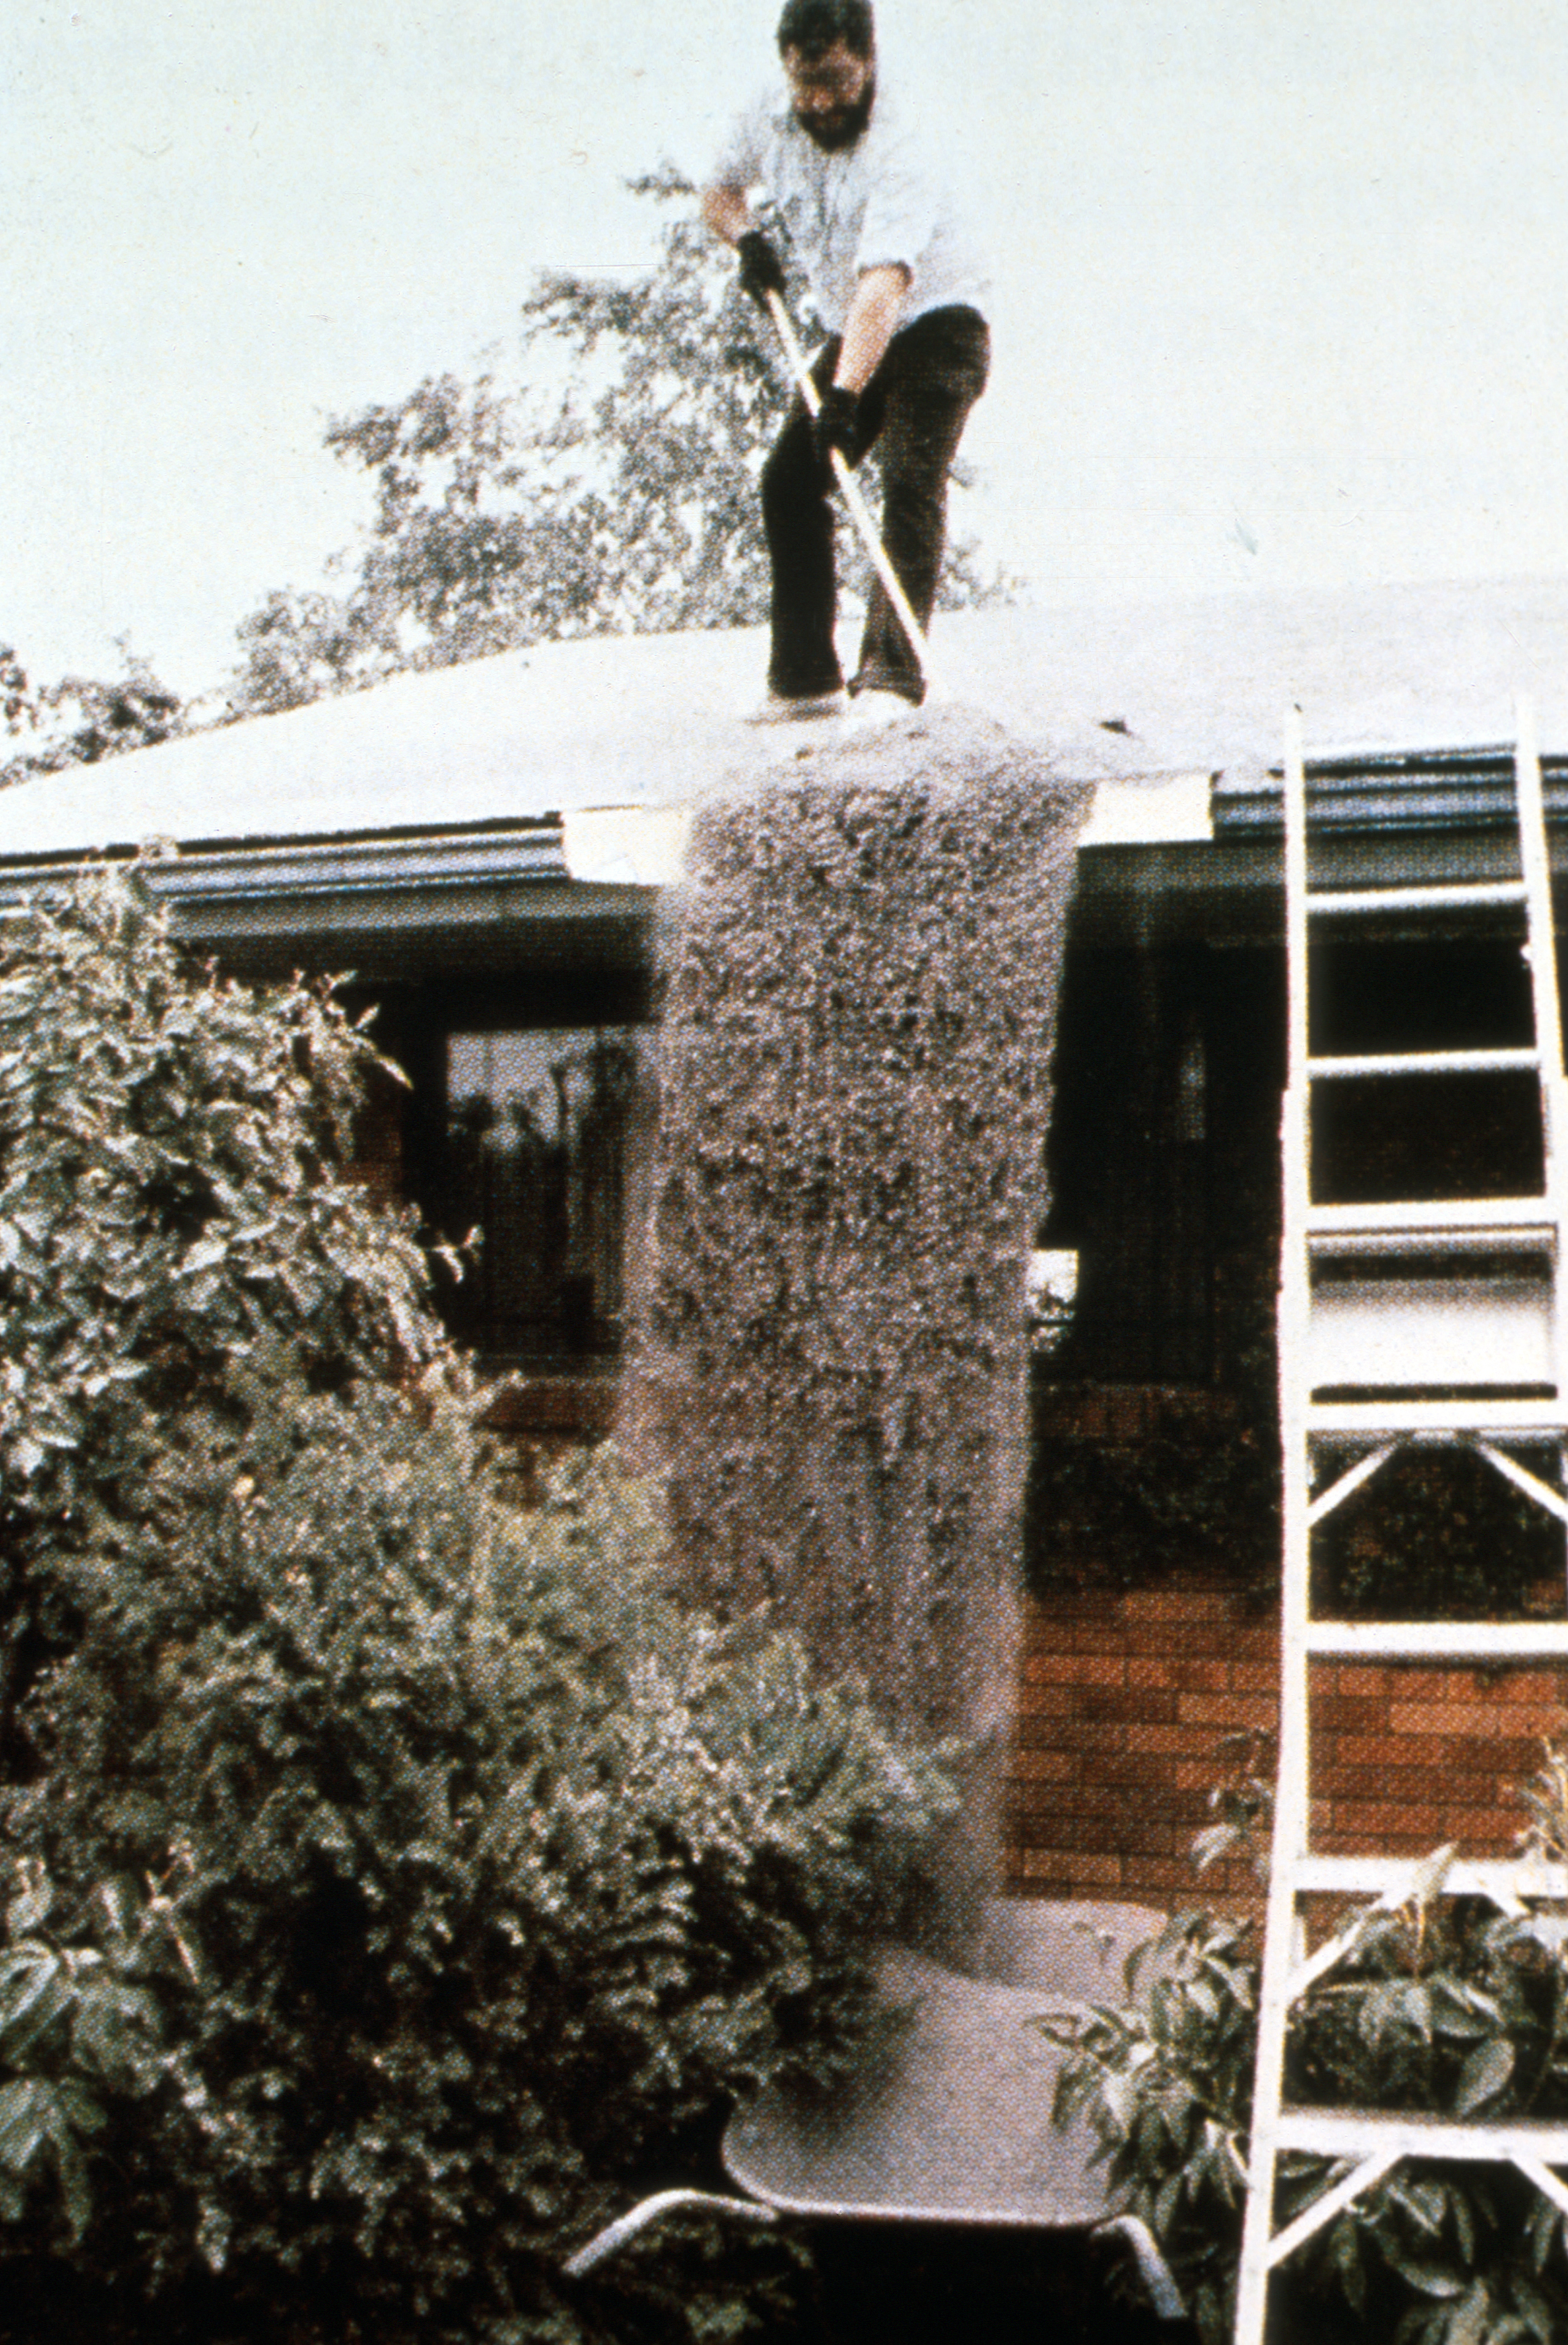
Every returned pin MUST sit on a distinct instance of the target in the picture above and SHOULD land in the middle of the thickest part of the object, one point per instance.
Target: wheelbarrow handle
(615, 2236)
(1164, 2295)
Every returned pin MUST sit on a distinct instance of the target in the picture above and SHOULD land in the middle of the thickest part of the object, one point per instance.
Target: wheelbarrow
(948, 2120)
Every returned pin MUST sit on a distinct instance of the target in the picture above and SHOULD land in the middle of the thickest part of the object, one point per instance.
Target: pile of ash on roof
(829, 1357)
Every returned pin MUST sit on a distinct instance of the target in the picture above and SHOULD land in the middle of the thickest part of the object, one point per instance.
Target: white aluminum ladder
(1398, 1346)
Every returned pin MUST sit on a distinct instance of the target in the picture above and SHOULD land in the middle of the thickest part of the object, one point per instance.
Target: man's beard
(832, 132)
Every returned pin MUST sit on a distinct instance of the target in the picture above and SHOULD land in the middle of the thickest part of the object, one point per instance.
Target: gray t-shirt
(865, 206)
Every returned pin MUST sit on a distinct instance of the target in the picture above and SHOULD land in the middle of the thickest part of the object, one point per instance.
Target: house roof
(442, 822)
(652, 721)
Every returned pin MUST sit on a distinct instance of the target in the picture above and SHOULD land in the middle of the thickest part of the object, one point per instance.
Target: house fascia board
(1462, 788)
(531, 889)
(389, 906)
(391, 862)
(405, 913)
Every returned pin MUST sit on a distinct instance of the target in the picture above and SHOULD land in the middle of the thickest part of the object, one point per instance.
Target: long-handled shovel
(858, 511)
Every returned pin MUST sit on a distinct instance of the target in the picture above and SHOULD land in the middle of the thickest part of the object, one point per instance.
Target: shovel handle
(850, 488)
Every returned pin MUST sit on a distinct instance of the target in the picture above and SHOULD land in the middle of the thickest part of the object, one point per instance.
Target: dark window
(1129, 1157)
(1163, 1160)
(1432, 1135)
(536, 1158)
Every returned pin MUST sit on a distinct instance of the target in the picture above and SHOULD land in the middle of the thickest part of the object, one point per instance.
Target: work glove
(836, 424)
(762, 271)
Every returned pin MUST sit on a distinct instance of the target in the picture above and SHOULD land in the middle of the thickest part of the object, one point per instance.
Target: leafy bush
(454, 1877)
(399, 1881)
(1168, 2084)
(1443, 2004)
(1198, 1495)
(169, 1193)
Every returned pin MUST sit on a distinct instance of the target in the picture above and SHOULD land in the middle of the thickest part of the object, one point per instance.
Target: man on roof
(900, 290)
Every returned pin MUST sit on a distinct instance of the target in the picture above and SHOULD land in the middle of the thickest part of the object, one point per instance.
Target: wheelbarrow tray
(948, 2120)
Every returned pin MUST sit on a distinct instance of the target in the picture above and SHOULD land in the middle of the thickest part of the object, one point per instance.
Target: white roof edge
(1146, 691)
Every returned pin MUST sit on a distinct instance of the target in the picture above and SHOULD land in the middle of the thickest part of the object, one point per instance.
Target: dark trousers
(913, 411)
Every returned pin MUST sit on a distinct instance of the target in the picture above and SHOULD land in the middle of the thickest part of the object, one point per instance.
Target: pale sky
(1281, 283)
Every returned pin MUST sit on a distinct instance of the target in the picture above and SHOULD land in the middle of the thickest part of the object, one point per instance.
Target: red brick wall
(1124, 1697)
(1125, 1701)
(1406, 1758)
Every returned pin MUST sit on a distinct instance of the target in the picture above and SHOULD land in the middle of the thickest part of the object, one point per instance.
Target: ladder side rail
(1295, 1306)
(1534, 857)
(1295, 1302)
(1291, 1814)
(1295, 1298)
(1290, 1804)
(1295, 793)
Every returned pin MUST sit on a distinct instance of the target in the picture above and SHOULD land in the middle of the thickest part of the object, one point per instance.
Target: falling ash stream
(859, 978)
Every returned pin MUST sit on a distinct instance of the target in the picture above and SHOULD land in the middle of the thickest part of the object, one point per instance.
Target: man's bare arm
(873, 313)
(726, 212)
(871, 322)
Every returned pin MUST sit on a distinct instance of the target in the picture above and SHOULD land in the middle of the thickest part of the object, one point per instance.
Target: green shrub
(1201, 1496)
(1444, 2005)
(170, 1189)
(169, 1196)
(400, 1881)
(458, 1880)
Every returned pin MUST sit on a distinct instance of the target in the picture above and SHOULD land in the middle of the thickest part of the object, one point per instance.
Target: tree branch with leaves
(614, 491)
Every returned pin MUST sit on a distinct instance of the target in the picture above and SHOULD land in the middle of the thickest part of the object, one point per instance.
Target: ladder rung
(1378, 755)
(1382, 1876)
(1505, 1420)
(1470, 1215)
(1461, 1240)
(1424, 1063)
(1479, 1641)
(1355, 2132)
(1418, 899)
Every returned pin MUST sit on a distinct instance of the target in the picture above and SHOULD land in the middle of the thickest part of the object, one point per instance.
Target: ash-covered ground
(859, 991)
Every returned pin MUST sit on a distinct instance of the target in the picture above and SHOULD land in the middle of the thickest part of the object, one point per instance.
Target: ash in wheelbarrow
(950, 2122)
